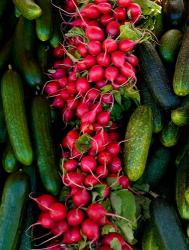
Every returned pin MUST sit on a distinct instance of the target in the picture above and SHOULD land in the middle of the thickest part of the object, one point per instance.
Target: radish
(82, 85)
(58, 73)
(88, 164)
(89, 117)
(82, 108)
(90, 11)
(104, 60)
(72, 103)
(73, 179)
(44, 201)
(90, 229)
(70, 165)
(75, 217)
(104, 8)
(102, 171)
(96, 73)
(112, 28)
(109, 237)
(124, 181)
(121, 79)
(127, 70)
(100, 140)
(118, 58)
(86, 128)
(126, 45)
(68, 115)
(70, 138)
(58, 52)
(113, 149)
(57, 211)
(58, 102)
(120, 13)
(82, 48)
(114, 136)
(105, 248)
(60, 228)
(134, 12)
(63, 81)
(94, 47)
(94, 33)
(64, 94)
(71, 87)
(116, 166)
(96, 211)
(92, 94)
(111, 73)
(81, 198)
(67, 62)
(124, 3)
(97, 107)
(100, 1)
(104, 158)
(72, 236)
(105, 19)
(133, 60)
(52, 88)
(107, 98)
(45, 221)
(100, 84)
(90, 181)
(109, 45)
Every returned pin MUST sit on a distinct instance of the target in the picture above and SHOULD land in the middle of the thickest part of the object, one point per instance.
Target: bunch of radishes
(91, 65)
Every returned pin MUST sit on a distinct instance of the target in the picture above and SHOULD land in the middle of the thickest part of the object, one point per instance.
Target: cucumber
(43, 54)
(23, 53)
(187, 230)
(149, 241)
(28, 8)
(13, 203)
(3, 130)
(170, 43)
(181, 75)
(157, 166)
(9, 160)
(138, 138)
(170, 135)
(155, 76)
(167, 226)
(182, 183)
(56, 38)
(173, 11)
(41, 122)
(15, 116)
(5, 53)
(183, 150)
(180, 116)
(158, 25)
(44, 26)
(148, 100)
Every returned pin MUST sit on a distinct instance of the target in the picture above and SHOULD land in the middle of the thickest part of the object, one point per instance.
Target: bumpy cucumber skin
(169, 45)
(9, 160)
(180, 116)
(181, 75)
(149, 241)
(170, 135)
(138, 138)
(15, 116)
(13, 203)
(28, 8)
(41, 122)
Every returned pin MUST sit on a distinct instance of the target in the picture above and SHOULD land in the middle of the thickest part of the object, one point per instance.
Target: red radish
(97, 107)
(112, 28)
(71, 137)
(60, 228)
(134, 12)
(77, 23)
(71, 87)
(89, 61)
(44, 201)
(68, 115)
(64, 94)
(72, 103)
(82, 109)
(94, 47)
(58, 102)
(100, 1)
(63, 81)
(88, 164)
(113, 149)
(75, 217)
(58, 64)
(102, 171)
(58, 73)
(105, 248)
(52, 88)
(96, 73)
(100, 140)
(81, 198)
(116, 166)
(94, 33)
(124, 181)
(96, 211)
(109, 45)
(74, 179)
(45, 221)
(106, 192)
(86, 128)
(121, 79)
(58, 51)
(89, 117)
(100, 84)
(133, 60)
(104, 8)
(72, 76)
(118, 58)
(82, 85)
(92, 94)
(92, 23)
(107, 98)
(105, 19)
(70, 6)
(124, 3)
(72, 236)
(90, 11)
(75, 153)
(70, 165)
(127, 70)
(114, 136)
(127, 45)
(90, 229)
(90, 181)
(57, 211)
(104, 158)
(109, 237)
(67, 62)
(111, 73)
(127, 247)
(82, 48)
(74, 190)
(104, 60)
(120, 13)
(103, 118)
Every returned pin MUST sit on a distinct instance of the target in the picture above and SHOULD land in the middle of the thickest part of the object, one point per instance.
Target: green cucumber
(182, 183)
(43, 54)
(158, 25)
(23, 52)
(13, 204)
(169, 46)
(148, 100)
(9, 161)
(28, 8)
(15, 116)
(181, 75)
(138, 138)
(5, 53)
(44, 22)
(182, 151)
(41, 122)
(167, 226)
(173, 11)
(155, 76)
(149, 240)
(170, 135)
(56, 38)
(3, 130)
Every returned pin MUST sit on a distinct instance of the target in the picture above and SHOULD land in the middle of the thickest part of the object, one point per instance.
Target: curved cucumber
(15, 116)
(138, 138)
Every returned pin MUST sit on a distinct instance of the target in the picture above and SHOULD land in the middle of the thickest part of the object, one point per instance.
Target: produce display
(94, 118)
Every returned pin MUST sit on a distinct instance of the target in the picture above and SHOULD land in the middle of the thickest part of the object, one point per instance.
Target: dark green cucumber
(44, 23)
(149, 240)
(170, 43)
(155, 76)
(157, 166)
(24, 55)
(41, 122)
(148, 100)
(12, 209)
(170, 134)
(158, 25)
(5, 53)
(43, 54)
(10, 163)
(138, 138)
(28, 8)
(181, 75)
(173, 11)
(15, 116)
(180, 116)
(56, 38)
(3, 130)
(182, 183)
(167, 226)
